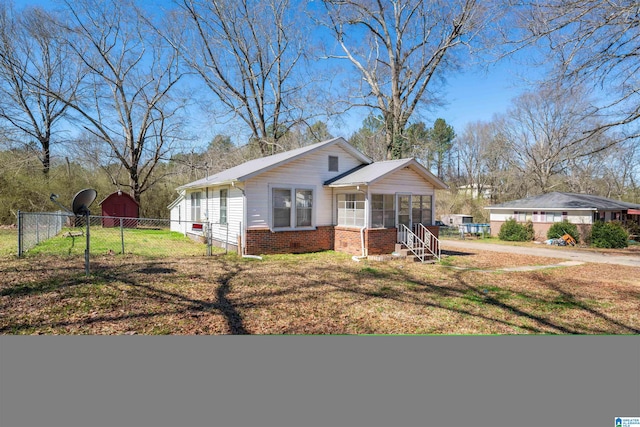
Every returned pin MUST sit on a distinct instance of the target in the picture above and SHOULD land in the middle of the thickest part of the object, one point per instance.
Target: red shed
(120, 205)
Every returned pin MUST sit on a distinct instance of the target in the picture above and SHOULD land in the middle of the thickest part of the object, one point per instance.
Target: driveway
(563, 253)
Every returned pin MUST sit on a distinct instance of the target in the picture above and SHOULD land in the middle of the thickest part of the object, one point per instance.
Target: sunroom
(378, 204)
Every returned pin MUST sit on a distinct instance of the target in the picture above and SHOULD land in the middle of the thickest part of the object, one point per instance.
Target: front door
(403, 210)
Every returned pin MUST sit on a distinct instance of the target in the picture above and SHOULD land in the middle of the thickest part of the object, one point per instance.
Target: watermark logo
(627, 422)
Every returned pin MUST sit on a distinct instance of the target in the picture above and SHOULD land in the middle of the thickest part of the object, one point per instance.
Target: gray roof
(568, 201)
(370, 173)
(253, 167)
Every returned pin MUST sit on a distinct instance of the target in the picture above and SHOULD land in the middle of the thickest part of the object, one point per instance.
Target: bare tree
(592, 43)
(400, 48)
(545, 131)
(125, 104)
(250, 54)
(34, 63)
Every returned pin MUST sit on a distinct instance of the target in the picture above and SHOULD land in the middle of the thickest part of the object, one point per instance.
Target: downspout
(366, 220)
(243, 224)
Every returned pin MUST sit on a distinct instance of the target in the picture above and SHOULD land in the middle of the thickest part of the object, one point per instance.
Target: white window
(383, 211)
(224, 194)
(283, 214)
(282, 207)
(421, 210)
(351, 209)
(304, 208)
(195, 206)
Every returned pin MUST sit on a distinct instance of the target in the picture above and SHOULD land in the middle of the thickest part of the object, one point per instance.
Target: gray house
(545, 209)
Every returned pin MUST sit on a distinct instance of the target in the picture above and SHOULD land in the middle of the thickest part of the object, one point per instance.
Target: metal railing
(421, 243)
(431, 241)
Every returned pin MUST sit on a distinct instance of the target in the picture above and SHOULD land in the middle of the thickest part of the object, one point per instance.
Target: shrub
(559, 229)
(608, 235)
(513, 231)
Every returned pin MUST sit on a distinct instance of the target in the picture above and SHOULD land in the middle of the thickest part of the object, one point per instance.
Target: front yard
(322, 293)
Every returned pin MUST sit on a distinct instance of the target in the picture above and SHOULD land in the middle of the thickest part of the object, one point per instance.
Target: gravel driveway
(563, 253)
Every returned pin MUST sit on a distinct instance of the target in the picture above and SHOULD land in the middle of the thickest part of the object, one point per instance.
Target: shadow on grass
(109, 275)
(272, 284)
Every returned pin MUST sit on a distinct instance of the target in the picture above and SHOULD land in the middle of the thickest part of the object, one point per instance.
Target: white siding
(575, 217)
(402, 181)
(235, 209)
(309, 171)
(177, 217)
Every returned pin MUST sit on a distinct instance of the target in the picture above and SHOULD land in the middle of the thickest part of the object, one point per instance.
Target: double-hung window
(195, 206)
(285, 214)
(383, 211)
(224, 195)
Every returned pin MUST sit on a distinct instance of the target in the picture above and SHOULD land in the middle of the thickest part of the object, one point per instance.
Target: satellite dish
(82, 200)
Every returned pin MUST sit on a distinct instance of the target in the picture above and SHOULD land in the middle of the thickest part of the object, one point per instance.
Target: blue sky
(471, 95)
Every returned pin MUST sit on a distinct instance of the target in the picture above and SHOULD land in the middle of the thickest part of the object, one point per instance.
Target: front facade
(546, 209)
(321, 197)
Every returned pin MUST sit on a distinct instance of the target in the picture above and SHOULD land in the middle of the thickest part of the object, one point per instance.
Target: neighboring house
(475, 191)
(119, 205)
(545, 209)
(319, 197)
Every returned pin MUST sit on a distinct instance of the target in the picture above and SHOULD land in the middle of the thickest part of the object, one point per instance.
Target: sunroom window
(421, 209)
(351, 209)
(383, 211)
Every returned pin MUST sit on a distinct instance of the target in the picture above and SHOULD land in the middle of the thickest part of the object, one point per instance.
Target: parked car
(441, 224)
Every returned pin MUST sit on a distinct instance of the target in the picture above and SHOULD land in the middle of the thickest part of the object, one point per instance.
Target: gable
(256, 167)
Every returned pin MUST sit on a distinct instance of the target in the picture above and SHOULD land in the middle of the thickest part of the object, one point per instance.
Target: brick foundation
(342, 239)
(289, 242)
(348, 240)
(380, 241)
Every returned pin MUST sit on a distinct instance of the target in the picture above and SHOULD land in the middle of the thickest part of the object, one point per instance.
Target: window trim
(292, 188)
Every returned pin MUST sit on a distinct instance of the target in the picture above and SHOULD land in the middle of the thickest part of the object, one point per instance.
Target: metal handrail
(434, 242)
(420, 244)
(411, 241)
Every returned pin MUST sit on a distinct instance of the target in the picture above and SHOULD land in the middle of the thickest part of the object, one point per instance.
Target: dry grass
(324, 293)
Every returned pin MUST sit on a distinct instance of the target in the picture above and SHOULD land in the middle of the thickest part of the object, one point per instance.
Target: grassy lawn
(146, 242)
(8, 241)
(322, 293)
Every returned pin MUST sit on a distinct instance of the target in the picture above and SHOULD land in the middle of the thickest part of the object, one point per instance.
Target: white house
(545, 209)
(319, 197)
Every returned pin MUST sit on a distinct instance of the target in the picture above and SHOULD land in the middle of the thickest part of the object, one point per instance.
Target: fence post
(121, 236)
(20, 234)
(86, 250)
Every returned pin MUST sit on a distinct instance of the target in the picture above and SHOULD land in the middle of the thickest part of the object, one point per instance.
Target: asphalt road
(563, 253)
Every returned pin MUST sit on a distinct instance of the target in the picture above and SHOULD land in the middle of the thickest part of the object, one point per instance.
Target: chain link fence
(59, 233)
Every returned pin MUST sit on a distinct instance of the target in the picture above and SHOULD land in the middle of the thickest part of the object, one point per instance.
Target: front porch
(421, 243)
